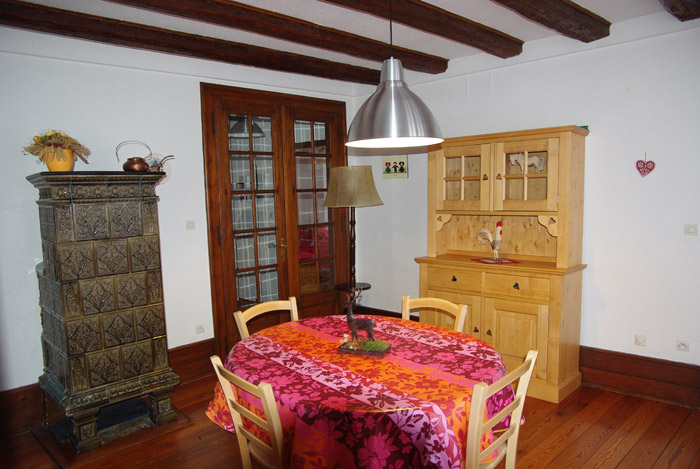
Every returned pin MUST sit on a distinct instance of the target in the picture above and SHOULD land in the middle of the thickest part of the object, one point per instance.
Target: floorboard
(590, 428)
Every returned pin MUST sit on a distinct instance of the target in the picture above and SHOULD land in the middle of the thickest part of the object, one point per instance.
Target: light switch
(690, 230)
(189, 225)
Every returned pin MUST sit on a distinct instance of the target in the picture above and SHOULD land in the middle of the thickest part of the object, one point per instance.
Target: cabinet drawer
(517, 286)
(453, 279)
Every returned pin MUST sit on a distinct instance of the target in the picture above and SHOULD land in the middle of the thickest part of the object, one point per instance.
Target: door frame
(213, 98)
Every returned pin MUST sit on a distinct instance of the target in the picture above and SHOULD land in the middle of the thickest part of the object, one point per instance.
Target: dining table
(406, 409)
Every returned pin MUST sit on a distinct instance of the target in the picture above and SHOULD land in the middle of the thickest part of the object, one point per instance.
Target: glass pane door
(253, 210)
(314, 222)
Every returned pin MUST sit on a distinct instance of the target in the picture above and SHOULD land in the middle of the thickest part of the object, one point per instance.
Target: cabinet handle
(499, 177)
(488, 332)
(476, 329)
(516, 286)
(454, 279)
(485, 178)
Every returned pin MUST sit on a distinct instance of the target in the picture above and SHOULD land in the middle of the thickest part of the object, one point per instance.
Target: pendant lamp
(393, 117)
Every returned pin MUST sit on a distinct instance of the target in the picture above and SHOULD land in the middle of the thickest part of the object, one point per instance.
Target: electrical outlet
(640, 340)
(190, 225)
(682, 345)
(199, 329)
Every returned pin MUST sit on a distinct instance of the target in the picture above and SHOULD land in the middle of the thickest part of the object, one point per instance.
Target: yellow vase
(53, 163)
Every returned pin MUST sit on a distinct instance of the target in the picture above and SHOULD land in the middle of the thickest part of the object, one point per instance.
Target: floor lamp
(350, 187)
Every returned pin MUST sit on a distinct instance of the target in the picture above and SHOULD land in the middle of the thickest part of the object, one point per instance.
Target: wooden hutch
(532, 182)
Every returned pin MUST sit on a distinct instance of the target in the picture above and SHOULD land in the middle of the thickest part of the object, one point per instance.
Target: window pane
(307, 248)
(325, 243)
(472, 166)
(302, 136)
(244, 250)
(240, 173)
(321, 211)
(242, 212)
(453, 167)
(453, 190)
(325, 275)
(268, 285)
(321, 173)
(267, 248)
(308, 278)
(264, 175)
(471, 190)
(305, 208)
(515, 163)
(536, 188)
(265, 210)
(262, 134)
(514, 189)
(305, 178)
(238, 132)
(320, 144)
(246, 289)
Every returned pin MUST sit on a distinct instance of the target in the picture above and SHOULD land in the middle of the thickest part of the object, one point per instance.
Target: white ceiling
(326, 14)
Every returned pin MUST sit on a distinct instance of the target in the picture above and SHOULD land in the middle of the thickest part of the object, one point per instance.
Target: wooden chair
(270, 456)
(506, 442)
(458, 312)
(242, 317)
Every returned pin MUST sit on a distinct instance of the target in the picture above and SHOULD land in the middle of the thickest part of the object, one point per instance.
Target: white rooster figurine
(484, 236)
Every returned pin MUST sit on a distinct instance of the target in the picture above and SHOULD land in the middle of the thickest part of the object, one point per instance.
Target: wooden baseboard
(20, 408)
(651, 378)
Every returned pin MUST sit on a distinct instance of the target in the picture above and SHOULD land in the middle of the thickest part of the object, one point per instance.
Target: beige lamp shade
(352, 186)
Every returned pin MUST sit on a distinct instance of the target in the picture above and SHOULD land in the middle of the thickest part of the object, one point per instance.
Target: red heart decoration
(645, 167)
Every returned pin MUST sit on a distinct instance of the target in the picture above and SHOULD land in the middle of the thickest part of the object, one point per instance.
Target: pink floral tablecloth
(409, 409)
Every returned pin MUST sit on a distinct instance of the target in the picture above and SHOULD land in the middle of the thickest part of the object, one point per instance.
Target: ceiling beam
(564, 16)
(684, 10)
(268, 23)
(434, 20)
(106, 30)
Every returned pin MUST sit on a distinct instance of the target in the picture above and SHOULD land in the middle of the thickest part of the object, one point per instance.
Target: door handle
(454, 279)
(486, 177)
(488, 332)
(283, 251)
(499, 177)
(516, 286)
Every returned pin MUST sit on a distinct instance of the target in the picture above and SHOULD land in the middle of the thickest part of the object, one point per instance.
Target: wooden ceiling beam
(245, 17)
(434, 20)
(106, 30)
(684, 10)
(564, 16)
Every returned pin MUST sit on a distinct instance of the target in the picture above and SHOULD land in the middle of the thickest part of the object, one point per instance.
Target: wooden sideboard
(101, 297)
(532, 182)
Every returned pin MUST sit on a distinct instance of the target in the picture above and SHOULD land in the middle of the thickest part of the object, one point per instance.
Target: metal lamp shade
(352, 186)
(393, 116)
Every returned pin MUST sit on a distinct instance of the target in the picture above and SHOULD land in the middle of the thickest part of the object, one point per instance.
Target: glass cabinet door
(463, 171)
(526, 175)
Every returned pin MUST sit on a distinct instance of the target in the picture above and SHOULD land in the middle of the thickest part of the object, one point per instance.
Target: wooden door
(526, 175)
(513, 328)
(463, 177)
(267, 161)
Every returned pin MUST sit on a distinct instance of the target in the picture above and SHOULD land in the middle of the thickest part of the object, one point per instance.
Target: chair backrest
(270, 456)
(458, 312)
(506, 443)
(242, 317)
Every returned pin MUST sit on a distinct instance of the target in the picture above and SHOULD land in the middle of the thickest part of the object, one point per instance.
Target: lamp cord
(391, 33)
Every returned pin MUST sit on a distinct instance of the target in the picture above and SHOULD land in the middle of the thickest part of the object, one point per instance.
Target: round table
(346, 410)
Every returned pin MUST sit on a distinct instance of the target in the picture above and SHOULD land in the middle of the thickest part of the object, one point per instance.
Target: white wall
(639, 96)
(103, 95)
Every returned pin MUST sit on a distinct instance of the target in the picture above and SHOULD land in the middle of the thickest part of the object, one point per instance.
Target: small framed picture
(395, 166)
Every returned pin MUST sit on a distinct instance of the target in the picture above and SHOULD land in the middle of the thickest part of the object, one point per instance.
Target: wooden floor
(591, 428)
